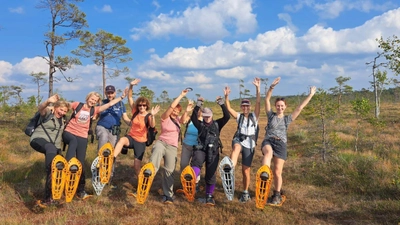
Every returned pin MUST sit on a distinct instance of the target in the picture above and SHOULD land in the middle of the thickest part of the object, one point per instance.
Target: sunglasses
(142, 105)
(280, 99)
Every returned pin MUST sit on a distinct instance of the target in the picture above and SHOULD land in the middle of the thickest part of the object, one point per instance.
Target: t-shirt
(53, 126)
(277, 127)
(79, 125)
(191, 135)
(112, 115)
(169, 131)
(248, 128)
(138, 130)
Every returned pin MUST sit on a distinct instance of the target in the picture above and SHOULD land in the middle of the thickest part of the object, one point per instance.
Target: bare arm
(297, 111)
(131, 101)
(126, 119)
(42, 108)
(269, 94)
(154, 111)
(176, 101)
(185, 117)
(113, 102)
(231, 111)
(256, 83)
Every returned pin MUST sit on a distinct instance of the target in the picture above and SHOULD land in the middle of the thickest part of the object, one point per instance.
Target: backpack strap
(179, 128)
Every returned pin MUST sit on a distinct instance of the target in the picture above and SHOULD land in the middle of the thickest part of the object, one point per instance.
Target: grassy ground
(350, 187)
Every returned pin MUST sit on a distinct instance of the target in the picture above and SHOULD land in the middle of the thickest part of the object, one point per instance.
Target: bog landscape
(343, 168)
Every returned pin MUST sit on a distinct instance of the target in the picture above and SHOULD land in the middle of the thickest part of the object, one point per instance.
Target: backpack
(151, 131)
(241, 118)
(34, 122)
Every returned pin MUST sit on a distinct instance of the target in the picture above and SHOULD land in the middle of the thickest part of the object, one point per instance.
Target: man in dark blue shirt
(109, 125)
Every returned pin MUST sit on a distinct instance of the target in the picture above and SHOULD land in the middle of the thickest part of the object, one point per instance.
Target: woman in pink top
(76, 132)
(166, 147)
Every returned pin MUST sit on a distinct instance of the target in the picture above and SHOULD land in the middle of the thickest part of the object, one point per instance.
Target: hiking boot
(276, 199)
(83, 195)
(147, 173)
(210, 200)
(188, 177)
(227, 168)
(245, 197)
(264, 176)
(47, 203)
(74, 168)
(60, 165)
(167, 200)
(106, 153)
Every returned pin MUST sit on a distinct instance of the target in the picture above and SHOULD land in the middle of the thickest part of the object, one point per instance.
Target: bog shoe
(83, 195)
(47, 203)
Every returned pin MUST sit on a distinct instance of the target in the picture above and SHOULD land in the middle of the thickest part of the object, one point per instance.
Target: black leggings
(76, 148)
(50, 151)
(199, 157)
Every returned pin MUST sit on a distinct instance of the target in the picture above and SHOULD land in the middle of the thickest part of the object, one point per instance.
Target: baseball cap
(110, 88)
(207, 112)
(245, 102)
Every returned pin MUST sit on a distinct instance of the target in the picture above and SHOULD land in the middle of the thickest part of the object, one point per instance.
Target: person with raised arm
(274, 145)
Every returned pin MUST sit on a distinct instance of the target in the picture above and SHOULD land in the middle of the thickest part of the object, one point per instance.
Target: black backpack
(34, 122)
(151, 131)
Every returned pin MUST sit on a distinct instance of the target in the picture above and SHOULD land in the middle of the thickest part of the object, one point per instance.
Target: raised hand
(155, 110)
(275, 82)
(313, 89)
(227, 91)
(257, 82)
(135, 82)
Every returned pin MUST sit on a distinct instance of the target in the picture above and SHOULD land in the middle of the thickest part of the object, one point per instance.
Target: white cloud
(29, 65)
(152, 74)
(208, 23)
(5, 71)
(287, 18)
(106, 8)
(151, 50)
(199, 78)
(18, 10)
(156, 4)
(331, 9)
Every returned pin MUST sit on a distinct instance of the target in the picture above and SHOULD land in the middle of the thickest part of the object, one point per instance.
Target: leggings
(76, 148)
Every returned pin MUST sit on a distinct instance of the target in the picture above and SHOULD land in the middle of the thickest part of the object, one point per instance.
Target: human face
(60, 111)
(245, 108)
(175, 112)
(92, 100)
(142, 106)
(110, 95)
(280, 106)
(207, 119)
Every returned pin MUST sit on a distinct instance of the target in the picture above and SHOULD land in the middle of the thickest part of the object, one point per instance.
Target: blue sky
(208, 44)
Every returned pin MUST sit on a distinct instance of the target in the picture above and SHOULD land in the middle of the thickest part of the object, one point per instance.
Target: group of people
(200, 142)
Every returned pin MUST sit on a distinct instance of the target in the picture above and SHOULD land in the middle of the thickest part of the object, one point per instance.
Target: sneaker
(167, 200)
(245, 197)
(47, 203)
(264, 176)
(210, 200)
(83, 195)
(276, 199)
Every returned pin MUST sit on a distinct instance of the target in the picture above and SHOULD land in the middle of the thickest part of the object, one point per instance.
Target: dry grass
(350, 188)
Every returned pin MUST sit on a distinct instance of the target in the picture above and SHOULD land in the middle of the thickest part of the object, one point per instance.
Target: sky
(208, 44)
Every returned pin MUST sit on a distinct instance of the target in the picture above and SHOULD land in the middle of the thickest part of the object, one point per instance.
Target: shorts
(138, 147)
(247, 153)
(278, 147)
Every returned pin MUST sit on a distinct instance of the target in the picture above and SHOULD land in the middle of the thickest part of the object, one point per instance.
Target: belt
(275, 138)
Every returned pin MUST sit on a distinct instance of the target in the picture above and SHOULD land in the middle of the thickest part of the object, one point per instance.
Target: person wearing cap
(209, 144)
(245, 138)
(108, 126)
(166, 146)
(274, 144)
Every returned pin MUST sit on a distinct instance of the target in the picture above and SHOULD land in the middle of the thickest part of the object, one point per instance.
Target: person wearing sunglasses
(245, 138)
(108, 127)
(137, 136)
(166, 146)
(274, 146)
